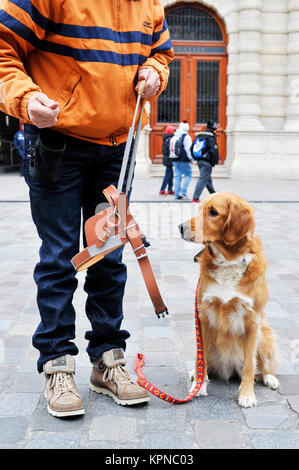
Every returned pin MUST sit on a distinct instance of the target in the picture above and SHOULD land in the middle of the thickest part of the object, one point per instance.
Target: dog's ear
(240, 222)
(198, 255)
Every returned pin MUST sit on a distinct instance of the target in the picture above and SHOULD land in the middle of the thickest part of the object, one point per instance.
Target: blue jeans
(204, 180)
(88, 168)
(168, 179)
(181, 169)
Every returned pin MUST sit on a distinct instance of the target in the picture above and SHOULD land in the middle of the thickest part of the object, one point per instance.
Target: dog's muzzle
(185, 232)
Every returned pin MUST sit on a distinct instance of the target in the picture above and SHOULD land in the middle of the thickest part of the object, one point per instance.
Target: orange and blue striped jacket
(85, 55)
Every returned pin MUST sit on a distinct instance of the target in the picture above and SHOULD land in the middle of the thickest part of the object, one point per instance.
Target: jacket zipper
(113, 141)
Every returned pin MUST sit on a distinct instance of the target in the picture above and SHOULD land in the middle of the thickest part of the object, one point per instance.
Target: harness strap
(101, 241)
(147, 273)
(143, 382)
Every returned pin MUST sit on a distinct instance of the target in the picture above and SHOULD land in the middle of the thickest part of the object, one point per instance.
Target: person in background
(182, 165)
(167, 162)
(19, 142)
(19, 145)
(206, 162)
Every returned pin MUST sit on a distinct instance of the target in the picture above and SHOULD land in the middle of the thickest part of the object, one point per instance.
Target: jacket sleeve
(187, 146)
(162, 52)
(191, 148)
(22, 28)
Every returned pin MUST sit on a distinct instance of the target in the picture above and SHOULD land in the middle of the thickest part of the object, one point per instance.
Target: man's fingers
(152, 82)
(143, 74)
(42, 111)
(45, 101)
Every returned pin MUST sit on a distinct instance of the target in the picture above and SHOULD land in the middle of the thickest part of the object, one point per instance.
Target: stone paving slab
(219, 434)
(13, 429)
(212, 422)
(268, 417)
(294, 403)
(289, 385)
(46, 440)
(275, 440)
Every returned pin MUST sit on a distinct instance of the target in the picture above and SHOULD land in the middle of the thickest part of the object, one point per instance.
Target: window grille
(169, 100)
(207, 102)
(193, 24)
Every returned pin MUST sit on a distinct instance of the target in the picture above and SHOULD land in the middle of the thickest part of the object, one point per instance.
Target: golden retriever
(232, 295)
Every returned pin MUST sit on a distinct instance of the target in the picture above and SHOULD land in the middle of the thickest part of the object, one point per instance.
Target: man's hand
(152, 82)
(42, 111)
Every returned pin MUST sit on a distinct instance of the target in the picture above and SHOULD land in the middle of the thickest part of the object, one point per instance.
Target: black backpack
(165, 145)
(177, 147)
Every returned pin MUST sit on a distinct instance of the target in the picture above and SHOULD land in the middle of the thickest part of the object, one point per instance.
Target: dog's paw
(271, 381)
(192, 376)
(247, 402)
(203, 390)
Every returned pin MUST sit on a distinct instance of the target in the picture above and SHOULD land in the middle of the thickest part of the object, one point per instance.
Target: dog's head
(222, 217)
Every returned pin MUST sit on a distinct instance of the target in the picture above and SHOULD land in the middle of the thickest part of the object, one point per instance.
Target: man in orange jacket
(69, 72)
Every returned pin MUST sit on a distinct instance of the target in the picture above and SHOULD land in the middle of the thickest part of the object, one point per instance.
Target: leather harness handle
(102, 239)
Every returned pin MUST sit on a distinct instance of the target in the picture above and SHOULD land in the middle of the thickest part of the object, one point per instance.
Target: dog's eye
(213, 213)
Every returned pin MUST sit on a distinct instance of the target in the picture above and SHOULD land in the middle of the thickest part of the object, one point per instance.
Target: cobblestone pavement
(215, 421)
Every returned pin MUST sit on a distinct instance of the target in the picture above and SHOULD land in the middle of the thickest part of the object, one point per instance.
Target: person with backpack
(181, 156)
(167, 162)
(205, 152)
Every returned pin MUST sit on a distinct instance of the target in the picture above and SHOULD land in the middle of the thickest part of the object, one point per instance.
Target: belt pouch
(46, 157)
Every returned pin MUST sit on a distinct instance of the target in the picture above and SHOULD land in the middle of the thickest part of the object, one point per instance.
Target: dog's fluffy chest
(227, 276)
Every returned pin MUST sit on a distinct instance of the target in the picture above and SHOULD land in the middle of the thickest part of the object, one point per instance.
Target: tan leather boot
(110, 378)
(61, 393)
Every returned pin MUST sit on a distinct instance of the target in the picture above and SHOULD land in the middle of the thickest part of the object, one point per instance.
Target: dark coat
(166, 150)
(212, 155)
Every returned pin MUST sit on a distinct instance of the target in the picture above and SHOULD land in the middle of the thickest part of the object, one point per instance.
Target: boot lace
(62, 381)
(118, 374)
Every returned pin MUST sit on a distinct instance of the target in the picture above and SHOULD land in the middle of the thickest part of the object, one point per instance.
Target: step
(219, 171)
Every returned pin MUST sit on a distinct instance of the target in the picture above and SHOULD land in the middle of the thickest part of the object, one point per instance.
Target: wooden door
(208, 97)
(196, 89)
(196, 92)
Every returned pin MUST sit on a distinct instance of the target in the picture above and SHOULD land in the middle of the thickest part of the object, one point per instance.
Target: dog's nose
(185, 232)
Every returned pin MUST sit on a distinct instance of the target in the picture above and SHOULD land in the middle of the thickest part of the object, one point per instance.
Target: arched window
(193, 24)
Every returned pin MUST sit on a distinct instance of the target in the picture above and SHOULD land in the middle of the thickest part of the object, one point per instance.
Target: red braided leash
(140, 360)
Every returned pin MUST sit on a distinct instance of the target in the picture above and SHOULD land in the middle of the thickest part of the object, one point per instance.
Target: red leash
(140, 360)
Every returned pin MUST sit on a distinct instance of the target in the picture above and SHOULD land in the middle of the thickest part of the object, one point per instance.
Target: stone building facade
(262, 86)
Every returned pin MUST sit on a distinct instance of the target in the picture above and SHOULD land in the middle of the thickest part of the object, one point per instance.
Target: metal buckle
(141, 256)
(113, 213)
(138, 248)
(104, 241)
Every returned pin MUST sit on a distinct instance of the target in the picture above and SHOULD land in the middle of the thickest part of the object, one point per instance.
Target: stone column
(249, 66)
(274, 64)
(292, 118)
(232, 28)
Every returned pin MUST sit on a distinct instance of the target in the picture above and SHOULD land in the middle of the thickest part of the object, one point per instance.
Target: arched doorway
(198, 76)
